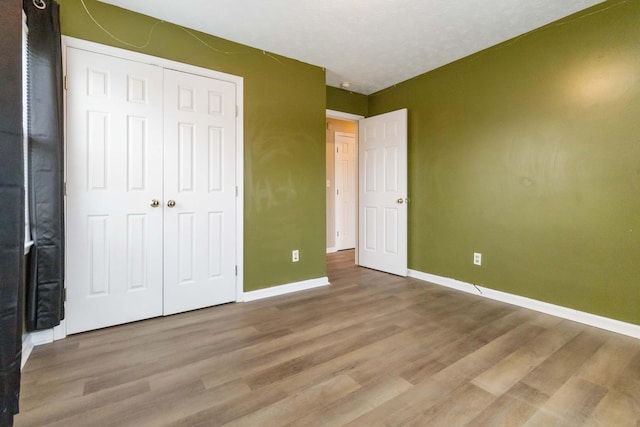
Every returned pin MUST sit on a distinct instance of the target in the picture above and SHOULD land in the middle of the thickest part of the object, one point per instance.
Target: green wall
(284, 135)
(529, 152)
(346, 101)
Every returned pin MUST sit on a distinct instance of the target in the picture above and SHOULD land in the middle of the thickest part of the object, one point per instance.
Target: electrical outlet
(477, 258)
(295, 255)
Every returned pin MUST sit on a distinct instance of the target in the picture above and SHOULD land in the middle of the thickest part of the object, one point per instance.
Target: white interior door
(383, 192)
(345, 182)
(114, 171)
(199, 162)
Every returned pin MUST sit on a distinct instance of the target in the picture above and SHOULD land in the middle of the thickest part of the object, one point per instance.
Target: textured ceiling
(372, 44)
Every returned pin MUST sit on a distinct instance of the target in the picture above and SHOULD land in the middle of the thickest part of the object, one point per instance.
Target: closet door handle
(171, 203)
(155, 203)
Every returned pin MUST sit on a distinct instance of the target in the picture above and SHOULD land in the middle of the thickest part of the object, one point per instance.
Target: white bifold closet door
(199, 176)
(150, 191)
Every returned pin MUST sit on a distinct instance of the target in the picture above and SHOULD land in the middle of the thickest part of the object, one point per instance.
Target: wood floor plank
(458, 409)
(574, 401)
(372, 349)
(34, 396)
(299, 364)
(176, 410)
(529, 395)
(616, 409)
(62, 408)
(224, 411)
(543, 419)
(394, 354)
(355, 404)
(621, 405)
(117, 411)
(609, 362)
(505, 411)
(344, 364)
(139, 355)
(266, 354)
(462, 345)
(511, 369)
(405, 407)
(287, 410)
(468, 367)
(174, 359)
(551, 374)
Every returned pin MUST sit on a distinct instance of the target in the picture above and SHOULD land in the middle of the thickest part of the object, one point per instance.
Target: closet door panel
(199, 186)
(114, 171)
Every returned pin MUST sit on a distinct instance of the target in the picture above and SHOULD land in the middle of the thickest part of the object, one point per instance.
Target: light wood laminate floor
(370, 350)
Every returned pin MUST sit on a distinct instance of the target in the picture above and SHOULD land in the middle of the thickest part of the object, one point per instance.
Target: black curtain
(45, 286)
(11, 208)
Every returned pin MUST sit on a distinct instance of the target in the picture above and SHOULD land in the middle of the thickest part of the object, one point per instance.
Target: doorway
(341, 181)
(382, 196)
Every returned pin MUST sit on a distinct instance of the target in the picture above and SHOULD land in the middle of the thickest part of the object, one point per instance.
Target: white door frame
(60, 331)
(333, 114)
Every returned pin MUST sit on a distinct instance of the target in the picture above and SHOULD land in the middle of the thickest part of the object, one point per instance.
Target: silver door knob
(171, 203)
(400, 201)
(155, 203)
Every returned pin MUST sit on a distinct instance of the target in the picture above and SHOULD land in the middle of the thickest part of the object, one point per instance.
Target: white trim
(333, 114)
(27, 246)
(238, 81)
(31, 340)
(46, 336)
(60, 331)
(240, 191)
(27, 348)
(41, 337)
(285, 289)
(72, 42)
(332, 250)
(601, 322)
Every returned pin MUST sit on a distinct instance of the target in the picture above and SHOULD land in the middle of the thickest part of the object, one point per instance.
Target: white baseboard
(285, 289)
(27, 348)
(33, 339)
(601, 322)
(332, 250)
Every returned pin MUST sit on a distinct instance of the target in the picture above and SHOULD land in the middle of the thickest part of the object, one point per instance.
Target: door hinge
(64, 294)
(236, 191)
(337, 234)
(65, 83)
(337, 192)
(64, 188)
(236, 270)
(236, 111)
